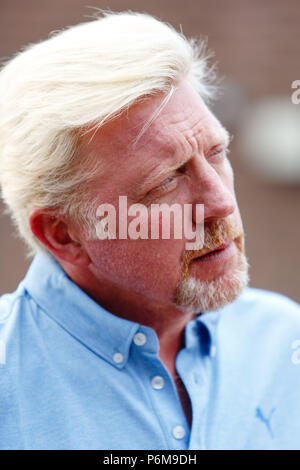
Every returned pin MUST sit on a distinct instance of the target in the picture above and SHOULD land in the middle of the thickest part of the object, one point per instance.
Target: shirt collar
(207, 324)
(101, 331)
(202, 331)
(68, 305)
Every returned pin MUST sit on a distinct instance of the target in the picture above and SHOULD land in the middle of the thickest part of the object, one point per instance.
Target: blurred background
(257, 49)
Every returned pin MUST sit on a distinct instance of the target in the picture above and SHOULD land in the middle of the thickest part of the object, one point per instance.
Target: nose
(211, 191)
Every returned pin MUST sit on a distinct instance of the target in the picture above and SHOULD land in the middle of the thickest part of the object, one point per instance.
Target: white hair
(79, 78)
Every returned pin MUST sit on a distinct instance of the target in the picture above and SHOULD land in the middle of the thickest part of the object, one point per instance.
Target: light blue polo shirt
(74, 376)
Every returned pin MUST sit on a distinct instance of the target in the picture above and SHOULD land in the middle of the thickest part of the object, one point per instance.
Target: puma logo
(266, 420)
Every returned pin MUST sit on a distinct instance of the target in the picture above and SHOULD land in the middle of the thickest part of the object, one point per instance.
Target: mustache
(216, 234)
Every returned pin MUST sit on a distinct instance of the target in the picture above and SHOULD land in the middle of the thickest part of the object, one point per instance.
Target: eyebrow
(222, 137)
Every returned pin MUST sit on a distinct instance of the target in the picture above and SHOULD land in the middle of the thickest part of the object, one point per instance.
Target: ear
(58, 236)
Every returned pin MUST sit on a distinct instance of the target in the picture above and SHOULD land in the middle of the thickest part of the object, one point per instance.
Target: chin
(198, 296)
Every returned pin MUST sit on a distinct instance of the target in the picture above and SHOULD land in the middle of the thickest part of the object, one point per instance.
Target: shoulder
(270, 302)
(263, 314)
(9, 302)
(13, 309)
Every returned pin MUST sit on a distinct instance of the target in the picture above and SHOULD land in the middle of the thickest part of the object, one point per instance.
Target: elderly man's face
(181, 158)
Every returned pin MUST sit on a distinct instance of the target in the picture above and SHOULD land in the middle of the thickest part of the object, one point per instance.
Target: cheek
(148, 267)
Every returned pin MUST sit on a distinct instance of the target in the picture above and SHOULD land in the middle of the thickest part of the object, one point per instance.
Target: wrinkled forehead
(159, 124)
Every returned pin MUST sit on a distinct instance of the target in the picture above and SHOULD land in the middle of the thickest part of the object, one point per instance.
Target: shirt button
(118, 358)
(157, 382)
(179, 432)
(139, 339)
(213, 351)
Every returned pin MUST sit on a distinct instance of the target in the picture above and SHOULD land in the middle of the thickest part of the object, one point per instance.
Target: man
(118, 342)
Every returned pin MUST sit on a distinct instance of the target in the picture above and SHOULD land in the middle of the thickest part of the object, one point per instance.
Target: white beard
(197, 296)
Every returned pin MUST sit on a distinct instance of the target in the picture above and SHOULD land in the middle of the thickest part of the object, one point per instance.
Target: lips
(214, 250)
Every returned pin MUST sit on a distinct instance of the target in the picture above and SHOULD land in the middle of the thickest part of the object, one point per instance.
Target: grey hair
(80, 78)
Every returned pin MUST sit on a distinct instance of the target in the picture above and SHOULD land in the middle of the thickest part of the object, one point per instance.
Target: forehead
(183, 121)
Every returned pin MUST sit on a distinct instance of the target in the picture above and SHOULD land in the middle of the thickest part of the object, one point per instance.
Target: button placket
(162, 392)
(175, 431)
(178, 432)
(157, 382)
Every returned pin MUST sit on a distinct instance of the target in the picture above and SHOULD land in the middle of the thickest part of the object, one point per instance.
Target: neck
(165, 318)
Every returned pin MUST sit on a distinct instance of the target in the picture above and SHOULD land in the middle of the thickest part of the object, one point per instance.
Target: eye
(167, 185)
(170, 183)
(219, 154)
(168, 180)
